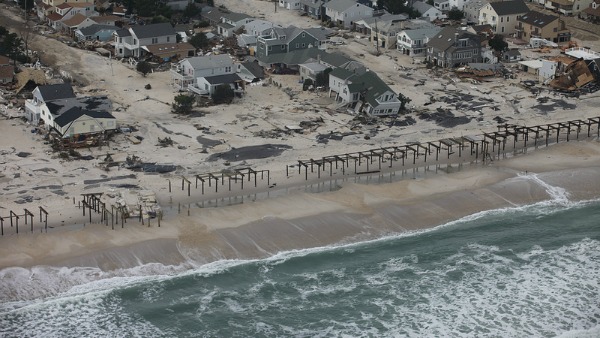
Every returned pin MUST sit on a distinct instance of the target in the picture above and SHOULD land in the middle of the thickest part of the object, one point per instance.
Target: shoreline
(299, 220)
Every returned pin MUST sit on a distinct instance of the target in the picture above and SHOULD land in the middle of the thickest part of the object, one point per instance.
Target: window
(282, 47)
(501, 19)
(502, 30)
(154, 40)
(134, 41)
(168, 38)
(507, 18)
(303, 45)
(297, 45)
(303, 35)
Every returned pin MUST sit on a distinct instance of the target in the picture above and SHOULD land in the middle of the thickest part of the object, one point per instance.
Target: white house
(457, 3)
(231, 22)
(129, 42)
(347, 12)
(472, 8)
(188, 72)
(414, 41)
(43, 94)
(442, 5)
(502, 16)
(290, 4)
(207, 85)
(364, 92)
(427, 11)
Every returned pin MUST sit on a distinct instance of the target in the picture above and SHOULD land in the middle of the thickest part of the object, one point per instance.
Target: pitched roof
(56, 91)
(54, 17)
(153, 30)
(254, 68)
(75, 20)
(509, 7)
(537, 19)
(105, 18)
(89, 103)
(445, 39)
(422, 33)
(74, 113)
(211, 61)
(340, 5)
(299, 56)
(220, 79)
(123, 32)
(92, 29)
(169, 49)
(422, 7)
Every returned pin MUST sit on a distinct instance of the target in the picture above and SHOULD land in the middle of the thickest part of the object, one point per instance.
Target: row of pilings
(232, 186)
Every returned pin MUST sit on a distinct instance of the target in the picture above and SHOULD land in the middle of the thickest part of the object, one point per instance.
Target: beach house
(452, 47)
(346, 12)
(129, 42)
(544, 26)
(503, 15)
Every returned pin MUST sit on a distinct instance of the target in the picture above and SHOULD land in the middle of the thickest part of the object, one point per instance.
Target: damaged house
(578, 75)
(68, 117)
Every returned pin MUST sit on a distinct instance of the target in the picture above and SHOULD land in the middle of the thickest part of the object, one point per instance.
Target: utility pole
(275, 2)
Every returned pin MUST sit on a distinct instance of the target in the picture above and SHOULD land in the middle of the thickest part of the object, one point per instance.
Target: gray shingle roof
(254, 68)
(123, 33)
(421, 33)
(537, 19)
(422, 7)
(211, 61)
(92, 103)
(56, 91)
(510, 7)
(74, 113)
(153, 30)
(444, 40)
(340, 5)
(92, 29)
(220, 79)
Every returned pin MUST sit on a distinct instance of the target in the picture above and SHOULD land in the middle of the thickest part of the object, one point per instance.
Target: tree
(144, 8)
(223, 94)
(322, 79)
(497, 43)
(199, 40)
(143, 67)
(456, 14)
(12, 46)
(190, 10)
(183, 104)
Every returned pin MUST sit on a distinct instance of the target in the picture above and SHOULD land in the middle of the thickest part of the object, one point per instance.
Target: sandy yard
(32, 175)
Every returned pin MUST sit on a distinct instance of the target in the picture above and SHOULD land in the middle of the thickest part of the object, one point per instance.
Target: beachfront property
(313, 8)
(66, 11)
(592, 13)
(129, 42)
(385, 33)
(502, 16)
(544, 26)
(413, 42)
(58, 109)
(250, 71)
(44, 8)
(290, 4)
(277, 40)
(452, 47)
(231, 22)
(442, 5)
(472, 8)
(427, 11)
(345, 13)
(363, 91)
(367, 25)
(202, 74)
(251, 32)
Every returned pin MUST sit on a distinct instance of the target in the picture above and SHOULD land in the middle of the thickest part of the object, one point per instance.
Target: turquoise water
(525, 272)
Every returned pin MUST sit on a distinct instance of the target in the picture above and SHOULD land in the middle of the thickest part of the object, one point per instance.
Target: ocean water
(531, 271)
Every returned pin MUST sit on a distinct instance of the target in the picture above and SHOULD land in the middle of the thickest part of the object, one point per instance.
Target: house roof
(299, 56)
(314, 66)
(65, 5)
(56, 91)
(312, 3)
(259, 25)
(342, 74)
(475, 4)
(93, 29)
(75, 20)
(119, 10)
(214, 14)
(153, 30)
(422, 7)
(235, 17)
(482, 28)
(254, 68)
(422, 33)
(74, 113)
(54, 17)
(383, 18)
(537, 19)
(225, 25)
(211, 61)
(509, 7)
(592, 11)
(89, 103)
(373, 85)
(169, 49)
(220, 79)
(7, 71)
(445, 39)
(340, 5)
(105, 18)
(123, 32)
(4, 60)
